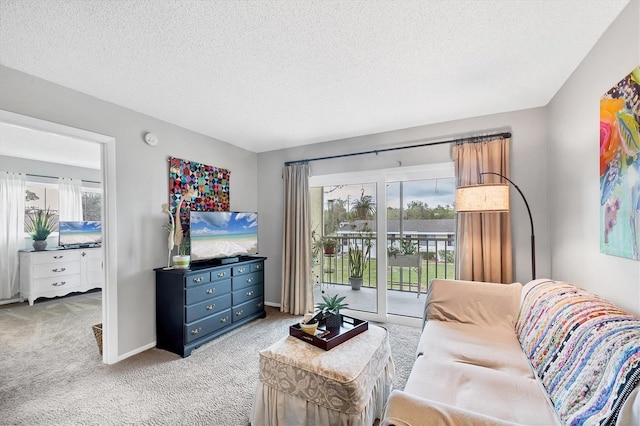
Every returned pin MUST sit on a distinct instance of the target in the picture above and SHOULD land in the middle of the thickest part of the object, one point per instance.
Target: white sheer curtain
(12, 187)
(70, 199)
(297, 291)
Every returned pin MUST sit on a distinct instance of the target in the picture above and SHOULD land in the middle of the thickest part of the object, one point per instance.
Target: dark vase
(333, 321)
(39, 245)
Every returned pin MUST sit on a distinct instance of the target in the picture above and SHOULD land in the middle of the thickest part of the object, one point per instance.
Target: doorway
(107, 167)
(400, 221)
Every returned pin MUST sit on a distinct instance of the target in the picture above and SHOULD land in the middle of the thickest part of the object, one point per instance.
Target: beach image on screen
(223, 234)
(80, 233)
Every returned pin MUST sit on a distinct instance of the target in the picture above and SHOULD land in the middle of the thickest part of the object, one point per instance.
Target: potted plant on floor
(330, 307)
(359, 255)
(40, 224)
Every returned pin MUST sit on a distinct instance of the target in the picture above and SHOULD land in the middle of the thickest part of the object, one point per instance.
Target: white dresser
(51, 273)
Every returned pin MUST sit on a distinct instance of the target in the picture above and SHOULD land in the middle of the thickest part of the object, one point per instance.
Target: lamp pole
(533, 238)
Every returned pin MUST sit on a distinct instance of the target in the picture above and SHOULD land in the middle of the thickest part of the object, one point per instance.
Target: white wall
(141, 184)
(528, 171)
(574, 186)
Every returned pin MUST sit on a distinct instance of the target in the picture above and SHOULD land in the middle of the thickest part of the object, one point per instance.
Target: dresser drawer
(246, 280)
(247, 309)
(197, 279)
(201, 328)
(242, 269)
(55, 269)
(55, 283)
(220, 274)
(54, 256)
(207, 291)
(248, 293)
(208, 307)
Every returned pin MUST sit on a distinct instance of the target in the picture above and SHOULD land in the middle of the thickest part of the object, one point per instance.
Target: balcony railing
(411, 269)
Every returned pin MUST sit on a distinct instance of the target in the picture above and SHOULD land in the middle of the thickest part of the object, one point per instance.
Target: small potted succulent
(40, 224)
(330, 307)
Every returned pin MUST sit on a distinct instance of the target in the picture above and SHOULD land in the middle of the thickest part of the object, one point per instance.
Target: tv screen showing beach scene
(79, 233)
(216, 235)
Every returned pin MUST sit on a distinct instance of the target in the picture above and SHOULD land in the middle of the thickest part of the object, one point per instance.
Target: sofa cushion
(584, 349)
(491, 304)
(462, 362)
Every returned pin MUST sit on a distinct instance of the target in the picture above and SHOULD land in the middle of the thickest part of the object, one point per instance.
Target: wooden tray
(330, 338)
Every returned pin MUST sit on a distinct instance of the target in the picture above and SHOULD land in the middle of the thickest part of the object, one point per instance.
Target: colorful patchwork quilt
(584, 349)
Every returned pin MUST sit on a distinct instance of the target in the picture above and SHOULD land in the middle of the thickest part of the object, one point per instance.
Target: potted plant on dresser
(330, 306)
(40, 224)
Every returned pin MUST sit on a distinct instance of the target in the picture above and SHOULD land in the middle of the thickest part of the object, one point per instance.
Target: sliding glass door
(379, 239)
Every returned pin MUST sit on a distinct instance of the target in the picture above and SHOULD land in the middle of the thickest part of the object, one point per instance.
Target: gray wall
(45, 168)
(528, 170)
(141, 184)
(574, 185)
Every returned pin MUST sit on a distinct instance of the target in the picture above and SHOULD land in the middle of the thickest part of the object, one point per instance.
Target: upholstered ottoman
(301, 384)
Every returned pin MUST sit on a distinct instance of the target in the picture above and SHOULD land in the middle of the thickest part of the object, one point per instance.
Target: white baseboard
(136, 351)
(275, 305)
(8, 301)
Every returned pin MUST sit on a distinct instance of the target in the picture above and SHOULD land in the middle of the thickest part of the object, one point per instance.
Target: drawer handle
(58, 284)
(223, 319)
(258, 266)
(240, 270)
(259, 304)
(197, 280)
(250, 293)
(58, 257)
(59, 270)
(196, 330)
(84, 254)
(221, 274)
(210, 307)
(210, 290)
(249, 280)
(240, 312)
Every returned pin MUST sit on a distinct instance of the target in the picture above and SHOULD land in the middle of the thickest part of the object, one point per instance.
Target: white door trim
(108, 168)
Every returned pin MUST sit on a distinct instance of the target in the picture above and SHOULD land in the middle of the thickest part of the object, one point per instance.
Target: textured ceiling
(265, 75)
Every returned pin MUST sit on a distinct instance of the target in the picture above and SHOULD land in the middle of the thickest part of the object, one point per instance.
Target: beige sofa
(541, 354)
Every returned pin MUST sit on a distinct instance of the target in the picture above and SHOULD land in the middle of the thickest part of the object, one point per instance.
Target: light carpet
(51, 371)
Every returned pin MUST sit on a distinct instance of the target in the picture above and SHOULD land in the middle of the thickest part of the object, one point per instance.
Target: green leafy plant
(331, 304)
(184, 247)
(329, 245)
(406, 247)
(40, 224)
(359, 256)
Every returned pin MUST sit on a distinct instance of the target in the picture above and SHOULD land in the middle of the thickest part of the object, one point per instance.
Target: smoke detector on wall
(151, 139)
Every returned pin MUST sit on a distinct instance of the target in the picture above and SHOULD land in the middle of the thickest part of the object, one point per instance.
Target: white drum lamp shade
(483, 198)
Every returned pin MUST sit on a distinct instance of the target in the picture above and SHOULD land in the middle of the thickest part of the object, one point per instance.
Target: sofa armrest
(473, 302)
(404, 409)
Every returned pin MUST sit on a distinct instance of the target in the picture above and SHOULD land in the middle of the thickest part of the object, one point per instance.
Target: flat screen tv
(84, 233)
(218, 235)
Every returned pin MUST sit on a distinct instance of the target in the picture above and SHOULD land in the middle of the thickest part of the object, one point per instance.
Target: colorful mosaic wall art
(211, 186)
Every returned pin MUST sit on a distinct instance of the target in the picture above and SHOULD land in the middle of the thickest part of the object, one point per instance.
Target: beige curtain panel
(297, 291)
(483, 248)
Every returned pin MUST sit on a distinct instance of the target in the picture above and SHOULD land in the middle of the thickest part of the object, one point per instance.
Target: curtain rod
(57, 177)
(471, 139)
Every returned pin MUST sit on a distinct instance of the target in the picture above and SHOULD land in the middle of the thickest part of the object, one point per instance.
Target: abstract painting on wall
(620, 168)
(210, 185)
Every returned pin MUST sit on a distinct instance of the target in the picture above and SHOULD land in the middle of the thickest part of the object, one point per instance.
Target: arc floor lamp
(493, 198)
